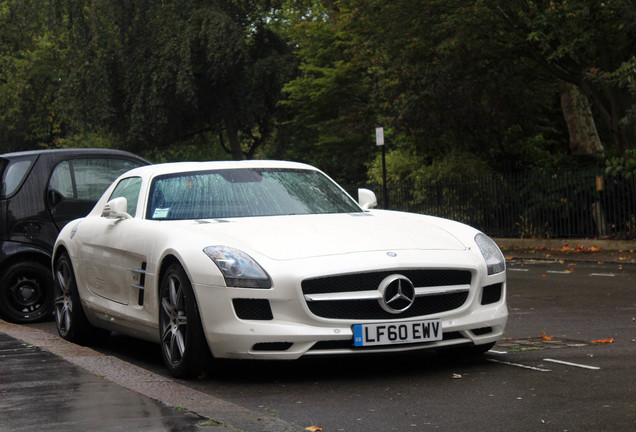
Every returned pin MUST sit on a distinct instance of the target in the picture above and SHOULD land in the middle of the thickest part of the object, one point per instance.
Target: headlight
(238, 268)
(495, 260)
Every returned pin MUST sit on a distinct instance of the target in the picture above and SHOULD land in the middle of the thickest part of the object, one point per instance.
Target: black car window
(93, 176)
(129, 189)
(62, 180)
(14, 174)
(87, 179)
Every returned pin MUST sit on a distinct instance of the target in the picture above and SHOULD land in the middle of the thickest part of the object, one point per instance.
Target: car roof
(73, 152)
(178, 167)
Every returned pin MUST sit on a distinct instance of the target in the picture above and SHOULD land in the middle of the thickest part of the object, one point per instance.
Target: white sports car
(271, 260)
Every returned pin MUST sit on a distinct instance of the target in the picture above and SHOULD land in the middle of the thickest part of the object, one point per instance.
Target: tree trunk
(232, 136)
(584, 139)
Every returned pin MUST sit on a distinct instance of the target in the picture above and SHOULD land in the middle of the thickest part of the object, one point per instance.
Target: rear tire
(183, 344)
(70, 318)
(26, 293)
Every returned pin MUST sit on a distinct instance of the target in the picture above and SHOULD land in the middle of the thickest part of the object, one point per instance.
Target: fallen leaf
(546, 338)
(313, 428)
(603, 341)
(457, 376)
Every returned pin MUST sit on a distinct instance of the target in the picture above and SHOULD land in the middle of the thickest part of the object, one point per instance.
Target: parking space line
(518, 269)
(520, 365)
(572, 364)
(603, 274)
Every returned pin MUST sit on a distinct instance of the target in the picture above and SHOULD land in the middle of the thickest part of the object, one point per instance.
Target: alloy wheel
(174, 321)
(63, 297)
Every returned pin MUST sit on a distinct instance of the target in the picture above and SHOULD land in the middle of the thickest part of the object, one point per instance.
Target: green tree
(331, 119)
(32, 58)
(176, 71)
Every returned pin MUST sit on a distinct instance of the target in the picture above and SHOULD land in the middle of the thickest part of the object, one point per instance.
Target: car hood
(305, 236)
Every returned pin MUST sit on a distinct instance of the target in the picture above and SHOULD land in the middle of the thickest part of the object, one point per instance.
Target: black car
(40, 192)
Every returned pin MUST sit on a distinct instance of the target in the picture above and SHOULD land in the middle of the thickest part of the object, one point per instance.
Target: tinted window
(245, 192)
(62, 181)
(93, 176)
(14, 174)
(129, 189)
(87, 179)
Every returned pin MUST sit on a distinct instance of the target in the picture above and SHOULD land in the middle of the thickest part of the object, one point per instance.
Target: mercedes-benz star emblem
(398, 293)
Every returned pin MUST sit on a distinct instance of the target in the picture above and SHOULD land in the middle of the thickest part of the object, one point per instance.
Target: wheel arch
(31, 254)
(166, 262)
(59, 251)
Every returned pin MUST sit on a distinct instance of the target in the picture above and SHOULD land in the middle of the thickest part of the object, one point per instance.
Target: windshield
(244, 193)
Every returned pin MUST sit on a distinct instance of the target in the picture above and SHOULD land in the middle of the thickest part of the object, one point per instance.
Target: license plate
(397, 333)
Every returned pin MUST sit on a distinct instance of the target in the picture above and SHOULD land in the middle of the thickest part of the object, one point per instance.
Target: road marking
(520, 365)
(560, 272)
(603, 274)
(497, 352)
(516, 269)
(572, 364)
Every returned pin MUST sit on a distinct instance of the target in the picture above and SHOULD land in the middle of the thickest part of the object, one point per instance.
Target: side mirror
(116, 209)
(367, 199)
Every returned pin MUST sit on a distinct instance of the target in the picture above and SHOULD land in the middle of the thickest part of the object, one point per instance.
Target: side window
(129, 189)
(87, 179)
(62, 181)
(93, 176)
(13, 174)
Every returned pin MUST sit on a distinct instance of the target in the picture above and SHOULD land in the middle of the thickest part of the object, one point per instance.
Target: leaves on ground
(603, 341)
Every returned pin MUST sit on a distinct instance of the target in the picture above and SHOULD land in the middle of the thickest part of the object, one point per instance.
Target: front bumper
(289, 330)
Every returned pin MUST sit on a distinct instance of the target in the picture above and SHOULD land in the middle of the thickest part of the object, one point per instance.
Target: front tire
(70, 319)
(183, 345)
(26, 293)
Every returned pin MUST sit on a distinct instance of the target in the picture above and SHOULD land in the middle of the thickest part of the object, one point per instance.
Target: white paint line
(603, 274)
(572, 364)
(497, 352)
(520, 365)
(560, 272)
(516, 269)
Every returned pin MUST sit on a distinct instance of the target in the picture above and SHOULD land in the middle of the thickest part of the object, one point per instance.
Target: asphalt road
(567, 364)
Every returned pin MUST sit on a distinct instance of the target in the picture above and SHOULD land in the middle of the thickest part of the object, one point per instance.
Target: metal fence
(583, 204)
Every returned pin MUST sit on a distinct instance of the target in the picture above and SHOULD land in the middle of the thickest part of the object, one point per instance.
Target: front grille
(272, 346)
(253, 309)
(482, 331)
(491, 294)
(370, 281)
(370, 309)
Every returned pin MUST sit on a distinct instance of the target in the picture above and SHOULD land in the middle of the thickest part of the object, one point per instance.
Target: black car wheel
(183, 343)
(26, 293)
(71, 321)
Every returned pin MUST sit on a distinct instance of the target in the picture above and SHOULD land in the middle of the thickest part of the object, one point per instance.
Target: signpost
(379, 141)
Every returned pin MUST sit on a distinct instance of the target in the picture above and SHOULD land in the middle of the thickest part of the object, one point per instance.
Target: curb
(157, 387)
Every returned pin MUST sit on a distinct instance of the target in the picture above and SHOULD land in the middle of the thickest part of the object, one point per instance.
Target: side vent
(139, 279)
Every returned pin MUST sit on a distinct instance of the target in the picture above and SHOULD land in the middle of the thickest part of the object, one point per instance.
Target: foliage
(31, 57)
(622, 166)
(460, 86)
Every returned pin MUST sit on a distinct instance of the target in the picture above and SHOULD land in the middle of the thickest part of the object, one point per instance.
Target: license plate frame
(397, 333)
